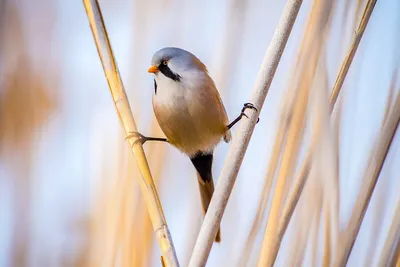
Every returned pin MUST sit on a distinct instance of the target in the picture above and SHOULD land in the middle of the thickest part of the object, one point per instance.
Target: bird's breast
(187, 117)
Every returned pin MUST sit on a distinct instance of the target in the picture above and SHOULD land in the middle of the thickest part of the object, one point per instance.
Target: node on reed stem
(125, 114)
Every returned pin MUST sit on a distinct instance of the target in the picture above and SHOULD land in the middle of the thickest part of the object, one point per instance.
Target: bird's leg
(246, 105)
(142, 139)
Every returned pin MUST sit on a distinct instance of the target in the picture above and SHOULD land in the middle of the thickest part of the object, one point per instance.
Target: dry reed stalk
(113, 206)
(156, 154)
(121, 195)
(316, 225)
(396, 255)
(241, 140)
(131, 218)
(284, 122)
(117, 204)
(272, 166)
(377, 159)
(107, 207)
(280, 137)
(303, 173)
(306, 217)
(287, 168)
(338, 126)
(140, 236)
(325, 161)
(395, 76)
(226, 68)
(389, 99)
(389, 248)
(231, 44)
(125, 238)
(111, 224)
(313, 206)
(380, 205)
(312, 213)
(331, 196)
(124, 112)
(272, 240)
(328, 236)
(352, 51)
(25, 106)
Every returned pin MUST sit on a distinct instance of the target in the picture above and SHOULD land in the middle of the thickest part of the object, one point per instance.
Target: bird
(190, 113)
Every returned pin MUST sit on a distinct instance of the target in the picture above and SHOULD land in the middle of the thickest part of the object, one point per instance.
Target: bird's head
(176, 64)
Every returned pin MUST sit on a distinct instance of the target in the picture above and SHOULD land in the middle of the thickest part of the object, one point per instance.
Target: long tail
(203, 163)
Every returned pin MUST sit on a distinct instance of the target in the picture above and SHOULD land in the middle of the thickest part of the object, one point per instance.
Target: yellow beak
(153, 69)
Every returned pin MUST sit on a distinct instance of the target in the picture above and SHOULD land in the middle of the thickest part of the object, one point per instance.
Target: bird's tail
(206, 188)
(203, 164)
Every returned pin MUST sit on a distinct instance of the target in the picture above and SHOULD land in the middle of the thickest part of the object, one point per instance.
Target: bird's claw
(245, 106)
(251, 106)
(139, 137)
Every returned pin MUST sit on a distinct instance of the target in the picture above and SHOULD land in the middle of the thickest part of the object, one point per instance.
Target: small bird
(190, 112)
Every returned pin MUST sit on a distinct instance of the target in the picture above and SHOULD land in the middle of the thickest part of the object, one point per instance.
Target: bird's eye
(165, 62)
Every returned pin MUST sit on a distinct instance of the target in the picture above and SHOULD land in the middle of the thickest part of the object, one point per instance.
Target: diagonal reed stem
(128, 122)
(316, 30)
(240, 142)
(375, 164)
(301, 178)
(388, 254)
(352, 51)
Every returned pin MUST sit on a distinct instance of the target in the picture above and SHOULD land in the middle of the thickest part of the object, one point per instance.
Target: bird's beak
(153, 69)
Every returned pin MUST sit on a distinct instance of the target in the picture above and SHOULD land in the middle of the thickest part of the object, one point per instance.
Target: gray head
(175, 63)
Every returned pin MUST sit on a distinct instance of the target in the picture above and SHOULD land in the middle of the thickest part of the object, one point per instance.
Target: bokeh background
(69, 194)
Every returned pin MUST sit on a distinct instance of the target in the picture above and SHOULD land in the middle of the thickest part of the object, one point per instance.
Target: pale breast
(193, 119)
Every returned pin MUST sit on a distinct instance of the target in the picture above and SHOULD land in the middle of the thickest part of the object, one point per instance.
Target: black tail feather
(203, 164)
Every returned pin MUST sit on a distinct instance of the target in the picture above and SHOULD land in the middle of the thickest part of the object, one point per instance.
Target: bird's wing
(228, 134)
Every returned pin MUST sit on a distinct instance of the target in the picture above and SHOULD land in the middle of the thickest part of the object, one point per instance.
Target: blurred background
(69, 194)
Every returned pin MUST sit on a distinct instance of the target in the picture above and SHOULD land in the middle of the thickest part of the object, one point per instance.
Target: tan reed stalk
(284, 122)
(307, 218)
(391, 247)
(280, 137)
(352, 51)
(389, 99)
(125, 114)
(272, 166)
(303, 173)
(315, 227)
(241, 140)
(325, 161)
(104, 220)
(380, 205)
(141, 235)
(377, 159)
(118, 204)
(26, 104)
(287, 168)
(392, 240)
(272, 241)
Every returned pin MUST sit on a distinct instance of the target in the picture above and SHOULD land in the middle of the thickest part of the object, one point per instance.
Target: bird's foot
(245, 106)
(143, 139)
(139, 138)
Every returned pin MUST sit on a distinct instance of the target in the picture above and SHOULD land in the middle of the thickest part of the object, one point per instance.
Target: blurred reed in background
(26, 103)
(55, 107)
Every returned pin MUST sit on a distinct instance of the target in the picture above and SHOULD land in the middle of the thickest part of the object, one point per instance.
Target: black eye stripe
(167, 72)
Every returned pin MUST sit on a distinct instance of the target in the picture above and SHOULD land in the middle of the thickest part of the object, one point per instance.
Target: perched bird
(190, 112)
